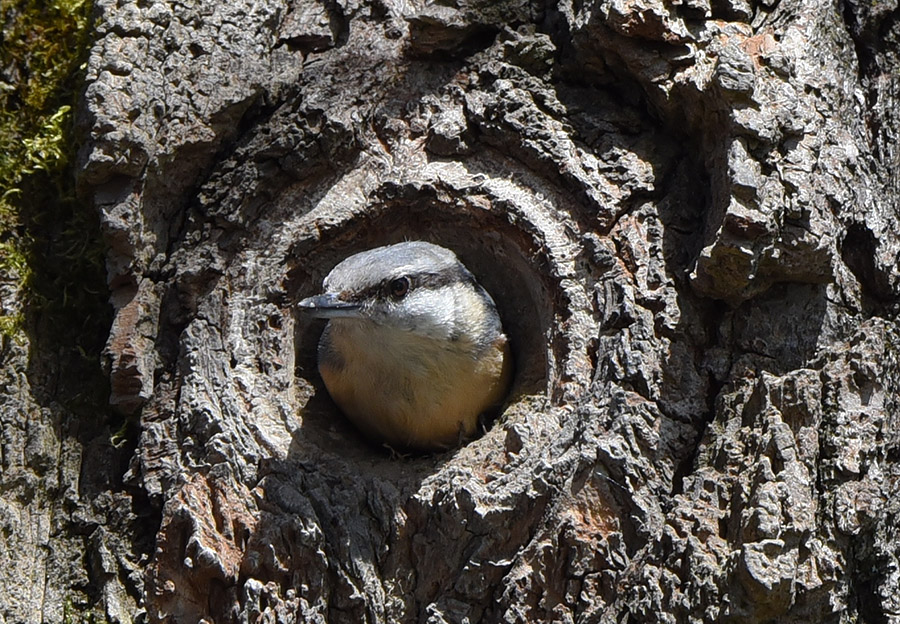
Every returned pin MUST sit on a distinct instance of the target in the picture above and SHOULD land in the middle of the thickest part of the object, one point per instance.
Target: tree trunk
(686, 212)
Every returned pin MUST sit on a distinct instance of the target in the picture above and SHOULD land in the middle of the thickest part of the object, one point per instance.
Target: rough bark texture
(686, 212)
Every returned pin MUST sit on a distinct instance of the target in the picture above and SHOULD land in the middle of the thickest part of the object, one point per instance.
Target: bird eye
(399, 287)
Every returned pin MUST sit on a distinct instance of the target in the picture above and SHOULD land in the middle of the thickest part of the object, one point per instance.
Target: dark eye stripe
(450, 275)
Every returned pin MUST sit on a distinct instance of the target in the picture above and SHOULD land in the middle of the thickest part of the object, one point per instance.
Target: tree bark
(686, 212)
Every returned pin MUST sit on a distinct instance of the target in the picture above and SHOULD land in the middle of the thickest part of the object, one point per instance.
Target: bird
(414, 351)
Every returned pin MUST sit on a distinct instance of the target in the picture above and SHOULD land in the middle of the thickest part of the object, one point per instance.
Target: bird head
(414, 286)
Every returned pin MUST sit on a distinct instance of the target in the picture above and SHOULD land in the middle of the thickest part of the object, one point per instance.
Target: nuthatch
(414, 350)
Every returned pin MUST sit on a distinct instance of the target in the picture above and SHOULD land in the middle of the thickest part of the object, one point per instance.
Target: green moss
(53, 294)
(78, 610)
(50, 250)
(43, 45)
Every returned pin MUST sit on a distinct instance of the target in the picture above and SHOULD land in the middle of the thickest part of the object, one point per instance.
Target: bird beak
(329, 306)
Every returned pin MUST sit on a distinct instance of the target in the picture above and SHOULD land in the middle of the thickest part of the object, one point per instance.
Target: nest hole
(505, 258)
